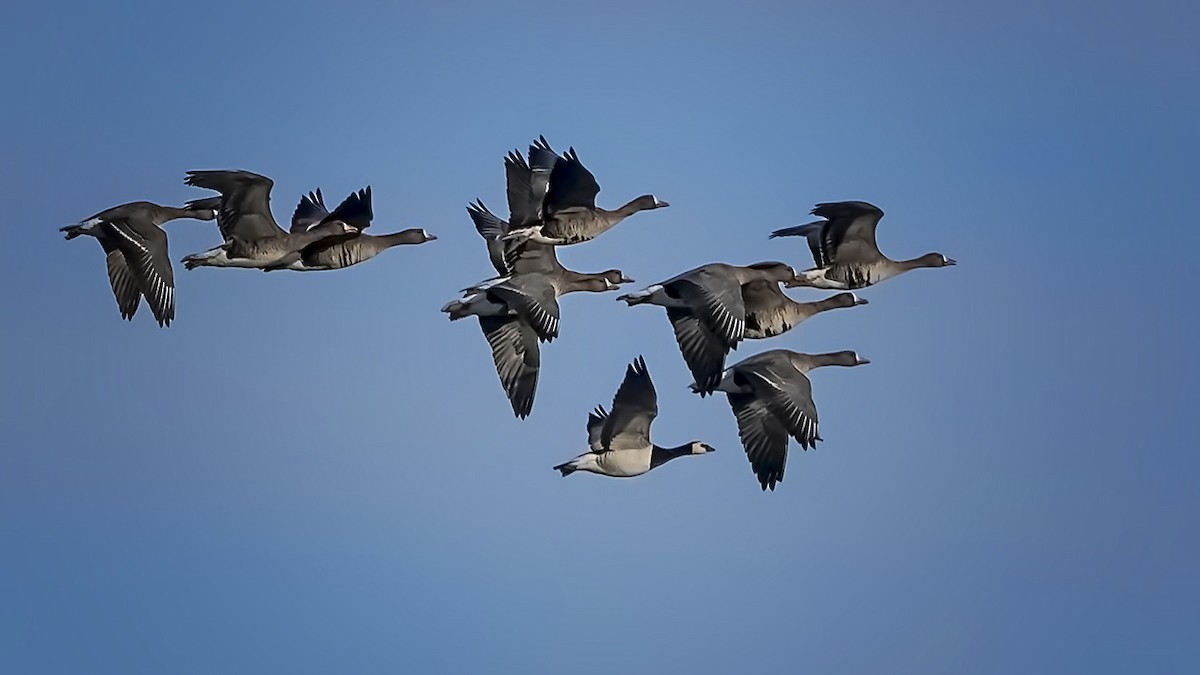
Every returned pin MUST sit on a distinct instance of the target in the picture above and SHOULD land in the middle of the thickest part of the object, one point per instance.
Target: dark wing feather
(245, 210)
(491, 227)
(147, 256)
(542, 159)
(846, 210)
(517, 357)
(571, 185)
(818, 240)
(354, 210)
(847, 236)
(511, 257)
(310, 211)
(850, 236)
(763, 437)
(787, 393)
(717, 300)
(633, 410)
(122, 279)
(533, 297)
(522, 208)
(595, 427)
(703, 350)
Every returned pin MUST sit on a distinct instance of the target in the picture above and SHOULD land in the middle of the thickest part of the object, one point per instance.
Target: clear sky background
(319, 473)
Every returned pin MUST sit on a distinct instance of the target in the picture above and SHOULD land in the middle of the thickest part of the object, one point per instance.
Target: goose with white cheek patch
(707, 311)
(569, 214)
(252, 237)
(338, 253)
(619, 442)
(771, 397)
(844, 249)
(136, 253)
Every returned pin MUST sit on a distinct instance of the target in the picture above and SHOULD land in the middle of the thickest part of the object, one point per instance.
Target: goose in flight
(619, 442)
(337, 253)
(844, 249)
(707, 311)
(568, 213)
(136, 253)
(252, 238)
(771, 397)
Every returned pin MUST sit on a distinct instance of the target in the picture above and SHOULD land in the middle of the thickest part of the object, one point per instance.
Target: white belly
(624, 463)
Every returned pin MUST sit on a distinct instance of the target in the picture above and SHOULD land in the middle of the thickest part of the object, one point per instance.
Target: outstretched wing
(542, 159)
(122, 279)
(595, 427)
(703, 350)
(533, 297)
(763, 437)
(310, 211)
(788, 397)
(517, 357)
(148, 258)
(355, 210)
(717, 300)
(571, 185)
(846, 236)
(245, 202)
(634, 408)
(510, 257)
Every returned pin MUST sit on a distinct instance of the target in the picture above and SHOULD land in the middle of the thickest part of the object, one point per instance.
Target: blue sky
(319, 473)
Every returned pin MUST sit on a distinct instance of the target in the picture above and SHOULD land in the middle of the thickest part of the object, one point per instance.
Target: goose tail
(566, 468)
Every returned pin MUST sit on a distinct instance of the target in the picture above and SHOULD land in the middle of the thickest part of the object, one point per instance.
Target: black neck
(660, 455)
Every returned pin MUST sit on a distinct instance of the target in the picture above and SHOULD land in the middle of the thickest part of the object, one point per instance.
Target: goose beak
(658, 204)
(951, 261)
(626, 280)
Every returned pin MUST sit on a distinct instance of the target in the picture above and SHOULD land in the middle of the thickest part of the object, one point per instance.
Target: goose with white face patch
(252, 238)
(568, 213)
(771, 398)
(136, 252)
(707, 311)
(619, 442)
(844, 249)
(338, 253)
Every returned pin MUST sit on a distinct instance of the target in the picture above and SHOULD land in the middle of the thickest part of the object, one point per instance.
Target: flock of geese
(551, 203)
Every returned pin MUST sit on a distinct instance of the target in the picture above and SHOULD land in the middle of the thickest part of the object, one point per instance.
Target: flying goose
(619, 442)
(515, 313)
(844, 249)
(135, 250)
(771, 398)
(336, 253)
(532, 257)
(252, 237)
(770, 312)
(526, 184)
(707, 311)
(569, 214)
